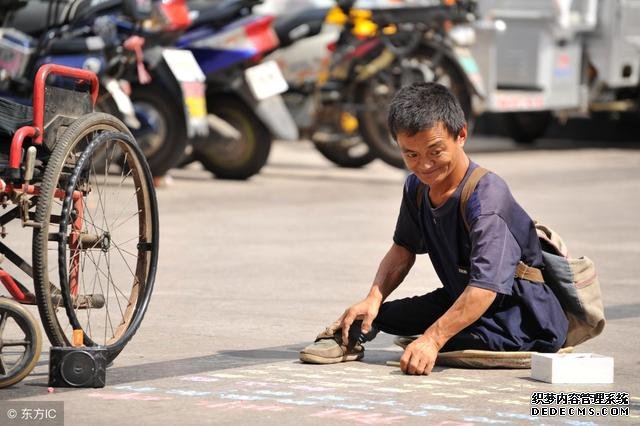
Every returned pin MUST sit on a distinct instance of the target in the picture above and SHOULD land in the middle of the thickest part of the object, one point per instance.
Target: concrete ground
(251, 271)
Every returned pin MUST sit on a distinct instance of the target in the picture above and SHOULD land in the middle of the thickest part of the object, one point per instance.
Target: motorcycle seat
(76, 45)
(291, 28)
(220, 13)
(13, 115)
(34, 19)
(416, 14)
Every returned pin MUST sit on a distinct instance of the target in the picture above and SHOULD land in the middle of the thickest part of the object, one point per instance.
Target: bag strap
(523, 270)
(468, 188)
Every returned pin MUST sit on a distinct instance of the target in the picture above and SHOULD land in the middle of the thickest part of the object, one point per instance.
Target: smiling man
(485, 301)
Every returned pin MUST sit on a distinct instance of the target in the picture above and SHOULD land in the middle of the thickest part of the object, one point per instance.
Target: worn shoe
(328, 349)
(404, 341)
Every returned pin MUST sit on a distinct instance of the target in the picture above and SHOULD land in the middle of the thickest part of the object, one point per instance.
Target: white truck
(536, 59)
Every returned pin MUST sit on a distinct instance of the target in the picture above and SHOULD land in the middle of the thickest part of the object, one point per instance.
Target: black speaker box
(82, 367)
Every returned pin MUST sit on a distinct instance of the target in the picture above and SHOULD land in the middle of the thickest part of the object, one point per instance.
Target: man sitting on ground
(486, 301)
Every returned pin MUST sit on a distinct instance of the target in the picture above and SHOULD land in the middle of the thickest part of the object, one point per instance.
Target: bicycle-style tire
(69, 172)
(32, 342)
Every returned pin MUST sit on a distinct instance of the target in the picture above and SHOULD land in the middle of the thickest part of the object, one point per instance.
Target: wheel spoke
(84, 288)
(135, 193)
(127, 263)
(3, 321)
(127, 252)
(108, 317)
(137, 237)
(13, 342)
(106, 276)
(123, 176)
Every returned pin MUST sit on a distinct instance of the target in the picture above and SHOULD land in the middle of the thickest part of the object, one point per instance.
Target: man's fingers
(415, 364)
(405, 361)
(345, 325)
(367, 322)
(423, 367)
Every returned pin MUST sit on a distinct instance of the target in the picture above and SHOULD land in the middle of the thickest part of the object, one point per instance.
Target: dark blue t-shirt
(525, 315)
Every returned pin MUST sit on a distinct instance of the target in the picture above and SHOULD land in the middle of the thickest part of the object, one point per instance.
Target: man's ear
(462, 136)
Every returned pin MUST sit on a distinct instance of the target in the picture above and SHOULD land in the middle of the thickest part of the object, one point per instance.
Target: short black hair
(421, 106)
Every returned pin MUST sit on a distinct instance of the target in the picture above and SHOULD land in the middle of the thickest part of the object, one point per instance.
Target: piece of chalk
(393, 363)
(50, 390)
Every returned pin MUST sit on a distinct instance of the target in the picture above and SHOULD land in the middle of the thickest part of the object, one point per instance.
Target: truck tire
(526, 127)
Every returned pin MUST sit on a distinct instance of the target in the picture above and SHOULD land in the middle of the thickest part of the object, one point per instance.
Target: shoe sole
(317, 359)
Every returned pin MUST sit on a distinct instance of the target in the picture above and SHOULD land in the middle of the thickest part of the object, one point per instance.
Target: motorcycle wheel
(376, 93)
(234, 158)
(165, 142)
(526, 127)
(351, 156)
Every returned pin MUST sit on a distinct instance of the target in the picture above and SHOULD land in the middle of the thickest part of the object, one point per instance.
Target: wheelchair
(81, 182)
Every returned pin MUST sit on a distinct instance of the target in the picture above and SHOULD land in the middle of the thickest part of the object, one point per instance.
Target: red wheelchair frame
(24, 189)
(71, 154)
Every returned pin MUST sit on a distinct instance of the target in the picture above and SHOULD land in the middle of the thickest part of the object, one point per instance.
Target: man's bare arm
(393, 268)
(467, 309)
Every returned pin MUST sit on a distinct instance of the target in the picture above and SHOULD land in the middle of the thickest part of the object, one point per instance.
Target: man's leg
(403, 317)
(413, 315)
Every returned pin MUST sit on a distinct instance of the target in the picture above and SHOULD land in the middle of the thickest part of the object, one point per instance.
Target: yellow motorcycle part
(348, 122)
(336, 16)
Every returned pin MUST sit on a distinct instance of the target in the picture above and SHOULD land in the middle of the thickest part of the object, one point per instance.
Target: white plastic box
(572, 368)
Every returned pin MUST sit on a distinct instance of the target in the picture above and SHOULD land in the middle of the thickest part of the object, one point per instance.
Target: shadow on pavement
(36, 383)
(622, 311)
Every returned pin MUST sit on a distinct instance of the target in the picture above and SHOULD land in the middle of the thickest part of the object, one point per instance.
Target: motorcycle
(402, 45)
(308, 39)
(108, 38)
(245, 110)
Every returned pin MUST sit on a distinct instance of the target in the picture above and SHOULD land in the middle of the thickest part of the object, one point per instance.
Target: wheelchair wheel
(96, 251)
(20, 342)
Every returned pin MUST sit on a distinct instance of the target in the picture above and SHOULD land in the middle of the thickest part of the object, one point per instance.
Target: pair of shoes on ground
(328, 348)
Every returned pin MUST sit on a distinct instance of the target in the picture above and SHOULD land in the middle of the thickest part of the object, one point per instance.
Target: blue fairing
(213, 60)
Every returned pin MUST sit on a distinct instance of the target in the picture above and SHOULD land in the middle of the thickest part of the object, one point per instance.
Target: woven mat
(472, 358)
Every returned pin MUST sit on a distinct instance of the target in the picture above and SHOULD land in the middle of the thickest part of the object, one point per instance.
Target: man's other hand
(419, 357)
(366, 310)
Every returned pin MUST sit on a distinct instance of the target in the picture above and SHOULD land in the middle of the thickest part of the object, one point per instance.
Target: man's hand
(419, 357)
(366, 310)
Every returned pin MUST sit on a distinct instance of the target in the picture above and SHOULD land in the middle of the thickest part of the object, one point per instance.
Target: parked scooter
(308, 39)
(403, 45)
(108, 38)
(373, 53)
(245, 110)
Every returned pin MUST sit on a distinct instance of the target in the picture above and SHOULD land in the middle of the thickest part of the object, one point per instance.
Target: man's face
(433, 154)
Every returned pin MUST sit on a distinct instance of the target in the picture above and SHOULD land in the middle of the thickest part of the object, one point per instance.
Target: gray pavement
(251, 271)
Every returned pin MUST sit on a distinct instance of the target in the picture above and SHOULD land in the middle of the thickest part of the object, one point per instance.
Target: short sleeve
(408, 233)
(495, 254)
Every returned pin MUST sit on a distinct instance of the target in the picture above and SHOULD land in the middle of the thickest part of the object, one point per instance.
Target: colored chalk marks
(355, 395)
